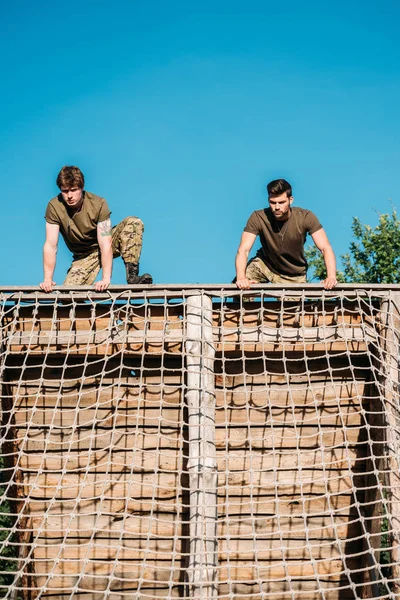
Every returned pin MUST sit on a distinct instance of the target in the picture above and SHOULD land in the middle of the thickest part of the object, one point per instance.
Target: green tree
(374, 253)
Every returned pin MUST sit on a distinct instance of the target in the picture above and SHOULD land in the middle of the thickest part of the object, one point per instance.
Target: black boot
(132, 274)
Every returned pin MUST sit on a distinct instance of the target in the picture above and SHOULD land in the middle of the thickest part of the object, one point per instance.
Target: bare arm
(104, 238)
(321, 241)
(49, 256)
(246, 244)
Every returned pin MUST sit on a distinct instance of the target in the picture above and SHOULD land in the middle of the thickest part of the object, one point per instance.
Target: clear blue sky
(180, 113)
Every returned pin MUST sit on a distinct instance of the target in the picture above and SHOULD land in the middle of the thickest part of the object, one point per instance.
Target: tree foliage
(374, 253)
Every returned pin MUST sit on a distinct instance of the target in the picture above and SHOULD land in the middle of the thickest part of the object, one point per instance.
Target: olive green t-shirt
(282, 242)
(78, 229)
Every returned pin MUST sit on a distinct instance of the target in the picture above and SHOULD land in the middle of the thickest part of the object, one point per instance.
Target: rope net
(197, 444)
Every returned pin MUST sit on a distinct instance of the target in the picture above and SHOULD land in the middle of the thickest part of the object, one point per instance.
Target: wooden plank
(166, 390)
(261, 333)
(153, 341)
(63, 486)
(391, 352)
(235, 438)
(110, 505)
(144, 593)
(239, 373)
(78, 420)
(287, 314)
(347, 415)
(170, 460)
(99, 439)
(107, 544)
(289, 505)
(273, 549)
(98, 317)
(260, 394)
(132, 344)
(127, 402)
(227, 439)
(53, 485)
(306, 482)
(122, 529)
(74, 560)
(295, 590)
(130, 532)
(296, 365)
(112, 460)
(100, 344)
(333, 569)
(305, 437)
(356, 347)
(135, 550)
(95, 574)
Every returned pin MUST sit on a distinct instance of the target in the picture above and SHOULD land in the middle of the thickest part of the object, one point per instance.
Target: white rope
(157, 445)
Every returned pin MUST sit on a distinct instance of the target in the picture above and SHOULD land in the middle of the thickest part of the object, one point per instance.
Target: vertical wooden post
(202, 463)
(391, 314)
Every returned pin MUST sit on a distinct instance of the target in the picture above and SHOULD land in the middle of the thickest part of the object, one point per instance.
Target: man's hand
(244, 283)
(102, 285)
(329, 283)
(47, 286)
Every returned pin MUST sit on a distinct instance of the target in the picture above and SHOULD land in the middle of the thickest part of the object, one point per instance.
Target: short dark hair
(277, 187)
(70, 177)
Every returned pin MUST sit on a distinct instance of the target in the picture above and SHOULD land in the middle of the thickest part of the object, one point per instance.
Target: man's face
(280, 206)
(72, 196)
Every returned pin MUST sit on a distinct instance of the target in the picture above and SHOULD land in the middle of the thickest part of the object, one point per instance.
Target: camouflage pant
(258, 271)
(126, 242)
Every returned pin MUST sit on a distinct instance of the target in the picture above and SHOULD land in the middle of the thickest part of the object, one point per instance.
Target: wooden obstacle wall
(295, 434)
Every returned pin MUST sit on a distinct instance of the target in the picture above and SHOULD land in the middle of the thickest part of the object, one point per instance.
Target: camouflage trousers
(258, 271)
(127, 239)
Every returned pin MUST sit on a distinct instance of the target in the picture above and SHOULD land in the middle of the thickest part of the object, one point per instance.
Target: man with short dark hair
(283, 230)
(83, 219)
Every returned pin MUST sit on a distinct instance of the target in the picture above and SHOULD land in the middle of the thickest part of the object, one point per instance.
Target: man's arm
(104, 238)
(49, 256)
(246, 244)
(321, 241)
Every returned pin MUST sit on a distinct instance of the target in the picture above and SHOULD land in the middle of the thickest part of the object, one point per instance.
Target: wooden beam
(391, 351)
(202, 463)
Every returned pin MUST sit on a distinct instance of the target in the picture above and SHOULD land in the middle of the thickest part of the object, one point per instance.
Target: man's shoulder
(56, 201)
(255, 221)
(302, 212)
(306, 219)
(93, 196)
(55, 209)
(261, 213)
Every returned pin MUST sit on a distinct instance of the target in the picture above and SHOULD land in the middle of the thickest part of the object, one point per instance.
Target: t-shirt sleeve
(252, 225)
(312, 223)
(51, 215)
(104, 212)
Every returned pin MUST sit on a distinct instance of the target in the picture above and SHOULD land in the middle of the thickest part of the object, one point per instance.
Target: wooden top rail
(30, 292)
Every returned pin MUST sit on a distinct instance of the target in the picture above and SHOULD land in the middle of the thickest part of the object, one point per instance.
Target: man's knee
(133, 222)
(77, 277)
(254, 272)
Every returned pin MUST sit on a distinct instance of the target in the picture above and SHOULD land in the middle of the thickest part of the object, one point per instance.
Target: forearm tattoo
(104, 227)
